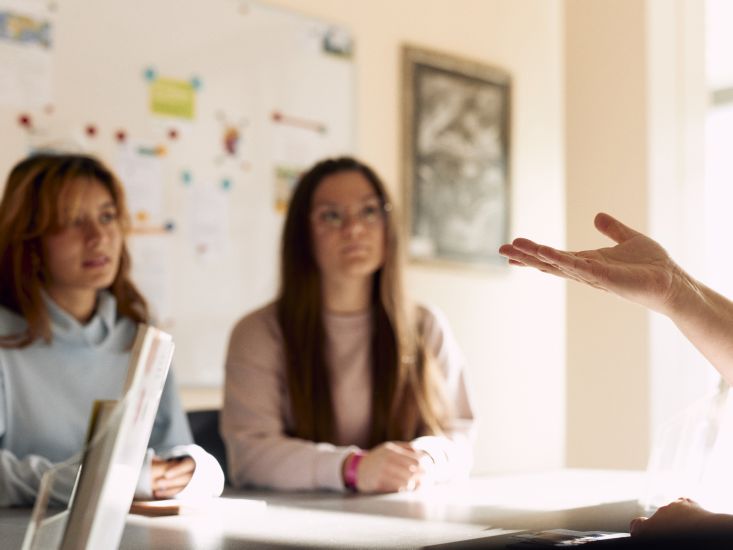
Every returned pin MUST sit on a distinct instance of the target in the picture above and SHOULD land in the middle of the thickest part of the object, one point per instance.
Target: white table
(475, 509)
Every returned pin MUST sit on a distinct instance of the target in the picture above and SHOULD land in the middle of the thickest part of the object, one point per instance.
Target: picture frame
(456, 119)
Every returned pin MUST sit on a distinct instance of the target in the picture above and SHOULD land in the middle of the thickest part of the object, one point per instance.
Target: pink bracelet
(351, 468)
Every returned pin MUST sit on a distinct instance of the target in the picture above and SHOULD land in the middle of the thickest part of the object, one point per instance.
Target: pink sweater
(257, 416)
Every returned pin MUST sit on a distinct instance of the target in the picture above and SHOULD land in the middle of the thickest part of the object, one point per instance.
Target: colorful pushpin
(91, 130)
(150, 74)
(25, 121)
(120, 136)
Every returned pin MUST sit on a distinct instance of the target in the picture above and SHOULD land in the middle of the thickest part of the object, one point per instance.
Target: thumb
(612, 228)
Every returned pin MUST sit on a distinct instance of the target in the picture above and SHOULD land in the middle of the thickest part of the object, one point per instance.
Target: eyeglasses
(334, 218)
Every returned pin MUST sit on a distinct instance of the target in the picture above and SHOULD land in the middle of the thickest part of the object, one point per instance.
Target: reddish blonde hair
(41, 195)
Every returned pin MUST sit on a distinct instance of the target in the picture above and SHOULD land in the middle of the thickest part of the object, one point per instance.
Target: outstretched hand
(637, 268)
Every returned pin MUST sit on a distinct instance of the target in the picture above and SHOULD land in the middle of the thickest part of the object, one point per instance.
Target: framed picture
(456, 118)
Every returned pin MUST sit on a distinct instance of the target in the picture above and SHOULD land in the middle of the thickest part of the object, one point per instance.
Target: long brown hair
(405, 400)
(39, 198)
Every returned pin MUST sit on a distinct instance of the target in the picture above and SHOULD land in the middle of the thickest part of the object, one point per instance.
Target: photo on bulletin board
(455, 163)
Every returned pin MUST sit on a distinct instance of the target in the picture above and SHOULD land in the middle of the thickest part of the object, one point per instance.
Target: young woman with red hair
(68, 317)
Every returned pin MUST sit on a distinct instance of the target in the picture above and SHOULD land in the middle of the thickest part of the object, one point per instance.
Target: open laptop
(117, 442)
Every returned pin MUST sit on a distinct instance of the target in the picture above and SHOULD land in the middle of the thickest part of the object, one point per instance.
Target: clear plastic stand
(692, 454)
(60, 485)
(47, 524)
(101, 490)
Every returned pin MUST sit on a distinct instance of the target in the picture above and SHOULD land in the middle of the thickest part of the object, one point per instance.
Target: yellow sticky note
(174, 98)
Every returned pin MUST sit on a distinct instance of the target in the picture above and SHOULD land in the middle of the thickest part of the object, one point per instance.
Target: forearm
(706, 319)
(20, 480)
(285, 463)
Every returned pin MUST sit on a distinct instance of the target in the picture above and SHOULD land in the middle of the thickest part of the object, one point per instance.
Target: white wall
(509, 323)
(677, 105)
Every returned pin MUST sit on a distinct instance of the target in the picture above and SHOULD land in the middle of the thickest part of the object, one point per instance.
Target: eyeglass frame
(346, 217)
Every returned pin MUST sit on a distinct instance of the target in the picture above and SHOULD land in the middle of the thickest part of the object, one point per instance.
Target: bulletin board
(208, 111)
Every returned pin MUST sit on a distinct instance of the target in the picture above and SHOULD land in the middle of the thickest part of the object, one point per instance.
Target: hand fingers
(396, 480)
(540, 256)
(157, 470)
(517, 257)
(166, 484)
(537, 263)
(571, 265)
(403, 463)
(180, 467)
(407, 459)
(524, 245)
(636, 524)
(612, 228)
(176, 484)
(403, 469)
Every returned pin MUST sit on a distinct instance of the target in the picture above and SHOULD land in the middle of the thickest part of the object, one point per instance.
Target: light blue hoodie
(46, 396)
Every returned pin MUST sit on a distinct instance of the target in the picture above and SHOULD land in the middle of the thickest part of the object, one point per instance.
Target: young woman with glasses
(341, 383)
(68, 317)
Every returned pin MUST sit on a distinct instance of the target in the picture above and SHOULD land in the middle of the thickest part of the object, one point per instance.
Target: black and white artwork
(456, 158)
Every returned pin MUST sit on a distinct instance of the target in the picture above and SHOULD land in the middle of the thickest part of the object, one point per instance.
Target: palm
(637, 269)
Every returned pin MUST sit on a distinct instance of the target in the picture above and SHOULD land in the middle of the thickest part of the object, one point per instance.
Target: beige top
(257, 415)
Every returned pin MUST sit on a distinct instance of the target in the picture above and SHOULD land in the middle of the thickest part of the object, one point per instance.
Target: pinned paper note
(285, 179)
(232, 142)
(26, 47)
(151, 271)
(172, 97)
(208, 220)
(141, 173)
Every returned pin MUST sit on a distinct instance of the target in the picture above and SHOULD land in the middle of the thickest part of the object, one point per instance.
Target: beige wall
(606, 164)
(634, 108)
(509, 323)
